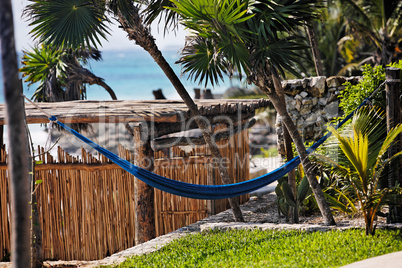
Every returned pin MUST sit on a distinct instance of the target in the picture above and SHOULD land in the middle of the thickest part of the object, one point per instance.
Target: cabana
(90, 208)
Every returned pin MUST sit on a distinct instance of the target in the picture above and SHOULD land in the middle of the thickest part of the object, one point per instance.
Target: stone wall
(312, 103)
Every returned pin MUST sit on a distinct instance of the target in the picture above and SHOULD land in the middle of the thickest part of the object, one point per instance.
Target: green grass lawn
(245, 248)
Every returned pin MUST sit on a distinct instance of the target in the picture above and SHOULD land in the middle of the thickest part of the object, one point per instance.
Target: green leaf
(68, 23)
(287, 191)
(38, 181)
(279, 192)
(38, 162)
(336, 204)
(303, 189)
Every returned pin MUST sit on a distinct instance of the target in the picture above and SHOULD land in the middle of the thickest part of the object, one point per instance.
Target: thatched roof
(158, 111)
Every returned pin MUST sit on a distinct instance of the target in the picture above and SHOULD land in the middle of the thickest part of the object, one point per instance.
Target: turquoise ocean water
(133, 74)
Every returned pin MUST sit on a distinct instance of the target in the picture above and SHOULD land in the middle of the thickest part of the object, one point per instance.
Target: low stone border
(273, 226)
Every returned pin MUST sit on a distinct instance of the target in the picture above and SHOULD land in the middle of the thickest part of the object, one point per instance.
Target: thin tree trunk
(36, 230)
(289, 155)
(108, 89)
(86, 76)
(292, 174)
(314, 49)
(308, 167)
(145, 40)
(18, 166)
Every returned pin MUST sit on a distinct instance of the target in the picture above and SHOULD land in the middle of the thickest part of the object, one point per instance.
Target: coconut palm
(254, 38)
(60, 73)
(18, 164)
(75, 23)
(362, 161)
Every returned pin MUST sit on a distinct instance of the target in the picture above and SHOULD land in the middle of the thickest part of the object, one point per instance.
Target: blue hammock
(198, 191)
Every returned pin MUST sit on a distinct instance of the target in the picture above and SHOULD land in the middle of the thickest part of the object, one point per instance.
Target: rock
(322, 101)
(312, 118)
(292, 87)
(207, 94)
(317, 86)
(307, 102)
(298, 105)
(300, 122)
(354, 79)
(298, 97)
(305, 110)
(303, 94)
(332, 109)
(290, 105)
(335, 81)
(320, 121)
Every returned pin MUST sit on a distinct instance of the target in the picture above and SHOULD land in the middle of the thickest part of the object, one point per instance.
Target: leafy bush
(363, 160)
(353, 95)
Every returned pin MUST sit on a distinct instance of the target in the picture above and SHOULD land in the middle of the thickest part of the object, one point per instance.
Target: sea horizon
(132, 74)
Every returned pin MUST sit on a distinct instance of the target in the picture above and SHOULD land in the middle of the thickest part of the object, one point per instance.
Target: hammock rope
(198, 191)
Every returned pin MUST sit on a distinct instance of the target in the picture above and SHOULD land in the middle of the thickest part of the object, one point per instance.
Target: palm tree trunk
(18, 166)
(144, 39)
(314, 49)
(308, 167)
(86, 76)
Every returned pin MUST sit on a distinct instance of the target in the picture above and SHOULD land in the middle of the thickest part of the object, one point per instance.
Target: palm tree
(60, 73)
(75, 23)
(18, 165)
(254, 38)
(373, 28)
(364, 155)
(331, 28)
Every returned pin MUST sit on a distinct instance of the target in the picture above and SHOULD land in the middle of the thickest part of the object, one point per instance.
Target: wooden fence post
(143, 193)
(393, 110)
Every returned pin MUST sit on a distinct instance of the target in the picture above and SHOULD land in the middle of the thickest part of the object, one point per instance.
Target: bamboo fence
(86, 204)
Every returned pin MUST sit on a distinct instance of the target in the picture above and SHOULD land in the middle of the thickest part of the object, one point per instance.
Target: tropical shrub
(289, 203)
(353, 95)
(362, 161)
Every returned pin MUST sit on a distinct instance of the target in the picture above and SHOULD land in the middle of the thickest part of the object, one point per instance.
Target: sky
(116, 41)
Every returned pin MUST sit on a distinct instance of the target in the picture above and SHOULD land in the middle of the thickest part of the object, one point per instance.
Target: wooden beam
(143, 193)
(163, 143)
(393, 109)
(164, 128)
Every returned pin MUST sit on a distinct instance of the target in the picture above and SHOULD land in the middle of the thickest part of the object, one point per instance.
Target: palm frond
(40, 62)
(285, 15)
(156, 10)
(202, 62)
(352, 9)
(280, 54)
(395, 21)
(69, 23)
(389, 140)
